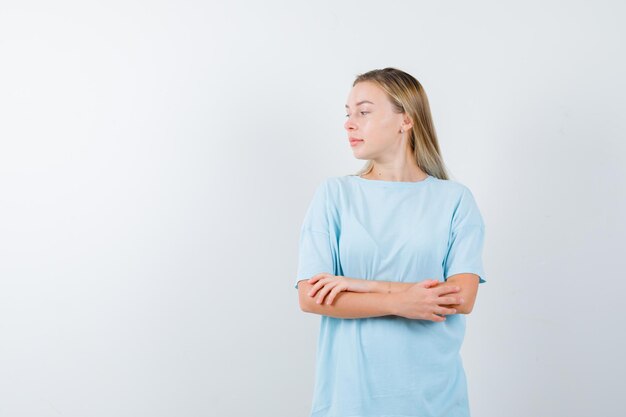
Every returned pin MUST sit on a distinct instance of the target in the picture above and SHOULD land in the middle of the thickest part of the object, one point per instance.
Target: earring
(401, 130)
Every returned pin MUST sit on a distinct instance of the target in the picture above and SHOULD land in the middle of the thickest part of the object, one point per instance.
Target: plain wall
(157, 159)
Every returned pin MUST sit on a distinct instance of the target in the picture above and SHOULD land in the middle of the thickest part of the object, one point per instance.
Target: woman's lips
(354, 142)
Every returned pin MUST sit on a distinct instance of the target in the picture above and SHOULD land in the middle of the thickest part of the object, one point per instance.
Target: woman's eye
(363, 112)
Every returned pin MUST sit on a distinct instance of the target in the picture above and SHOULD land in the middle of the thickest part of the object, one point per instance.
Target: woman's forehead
(365, 93)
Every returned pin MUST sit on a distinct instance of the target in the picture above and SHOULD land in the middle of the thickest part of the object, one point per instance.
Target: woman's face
(370, 118)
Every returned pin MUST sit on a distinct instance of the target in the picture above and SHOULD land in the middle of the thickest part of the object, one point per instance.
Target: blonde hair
(407, 95)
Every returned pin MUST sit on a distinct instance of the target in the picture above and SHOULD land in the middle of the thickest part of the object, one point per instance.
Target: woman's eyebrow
(359, 103)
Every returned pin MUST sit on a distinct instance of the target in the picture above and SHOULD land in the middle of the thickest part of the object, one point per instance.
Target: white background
(157, 158)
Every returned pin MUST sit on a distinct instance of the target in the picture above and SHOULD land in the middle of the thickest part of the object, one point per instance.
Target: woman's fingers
(449, 300)
(434, 317)
(446, 289)
(317, 286)
(325, 291)
(427, 283)
(335, 288)
(333, 294)
(445, 311)
(313, 290)
(321, 275)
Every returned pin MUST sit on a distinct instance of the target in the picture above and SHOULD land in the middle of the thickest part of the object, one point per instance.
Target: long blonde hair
(407, 95)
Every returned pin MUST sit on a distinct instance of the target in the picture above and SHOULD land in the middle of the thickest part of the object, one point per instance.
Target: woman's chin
(358, 156)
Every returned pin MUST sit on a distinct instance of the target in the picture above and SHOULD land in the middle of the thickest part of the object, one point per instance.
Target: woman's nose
(348, 125)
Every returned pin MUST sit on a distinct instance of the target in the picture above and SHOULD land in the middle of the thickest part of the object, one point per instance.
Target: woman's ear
(407, 123)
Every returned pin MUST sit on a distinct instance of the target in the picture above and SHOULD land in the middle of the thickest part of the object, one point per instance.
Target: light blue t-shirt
(391, 366)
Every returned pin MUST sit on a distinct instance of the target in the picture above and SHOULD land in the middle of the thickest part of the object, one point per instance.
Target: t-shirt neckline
(394, 183)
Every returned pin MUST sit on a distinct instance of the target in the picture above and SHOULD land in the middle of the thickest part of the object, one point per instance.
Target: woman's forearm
(382, 287)
(348, 305)
(387, 287)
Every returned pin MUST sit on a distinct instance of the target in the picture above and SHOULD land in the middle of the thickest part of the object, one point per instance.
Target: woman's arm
(419, 301)
(466, 281)
(347, 305)
(469, 288)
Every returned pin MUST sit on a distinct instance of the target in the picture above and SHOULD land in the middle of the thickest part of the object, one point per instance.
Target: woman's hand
(420, 301)
(331, 285)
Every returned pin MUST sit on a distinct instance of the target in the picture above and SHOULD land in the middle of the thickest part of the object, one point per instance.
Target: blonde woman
(391, 258)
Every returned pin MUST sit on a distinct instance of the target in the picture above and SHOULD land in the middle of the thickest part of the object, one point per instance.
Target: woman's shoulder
(333, 182)
(451, 185)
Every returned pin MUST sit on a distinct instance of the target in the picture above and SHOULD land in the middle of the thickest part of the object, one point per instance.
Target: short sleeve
(314, 248)
(467, 234)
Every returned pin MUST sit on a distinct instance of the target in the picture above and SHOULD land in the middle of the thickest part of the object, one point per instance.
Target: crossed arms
(383, 298)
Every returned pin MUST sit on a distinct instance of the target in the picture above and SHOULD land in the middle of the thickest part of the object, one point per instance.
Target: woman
(391, 260)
